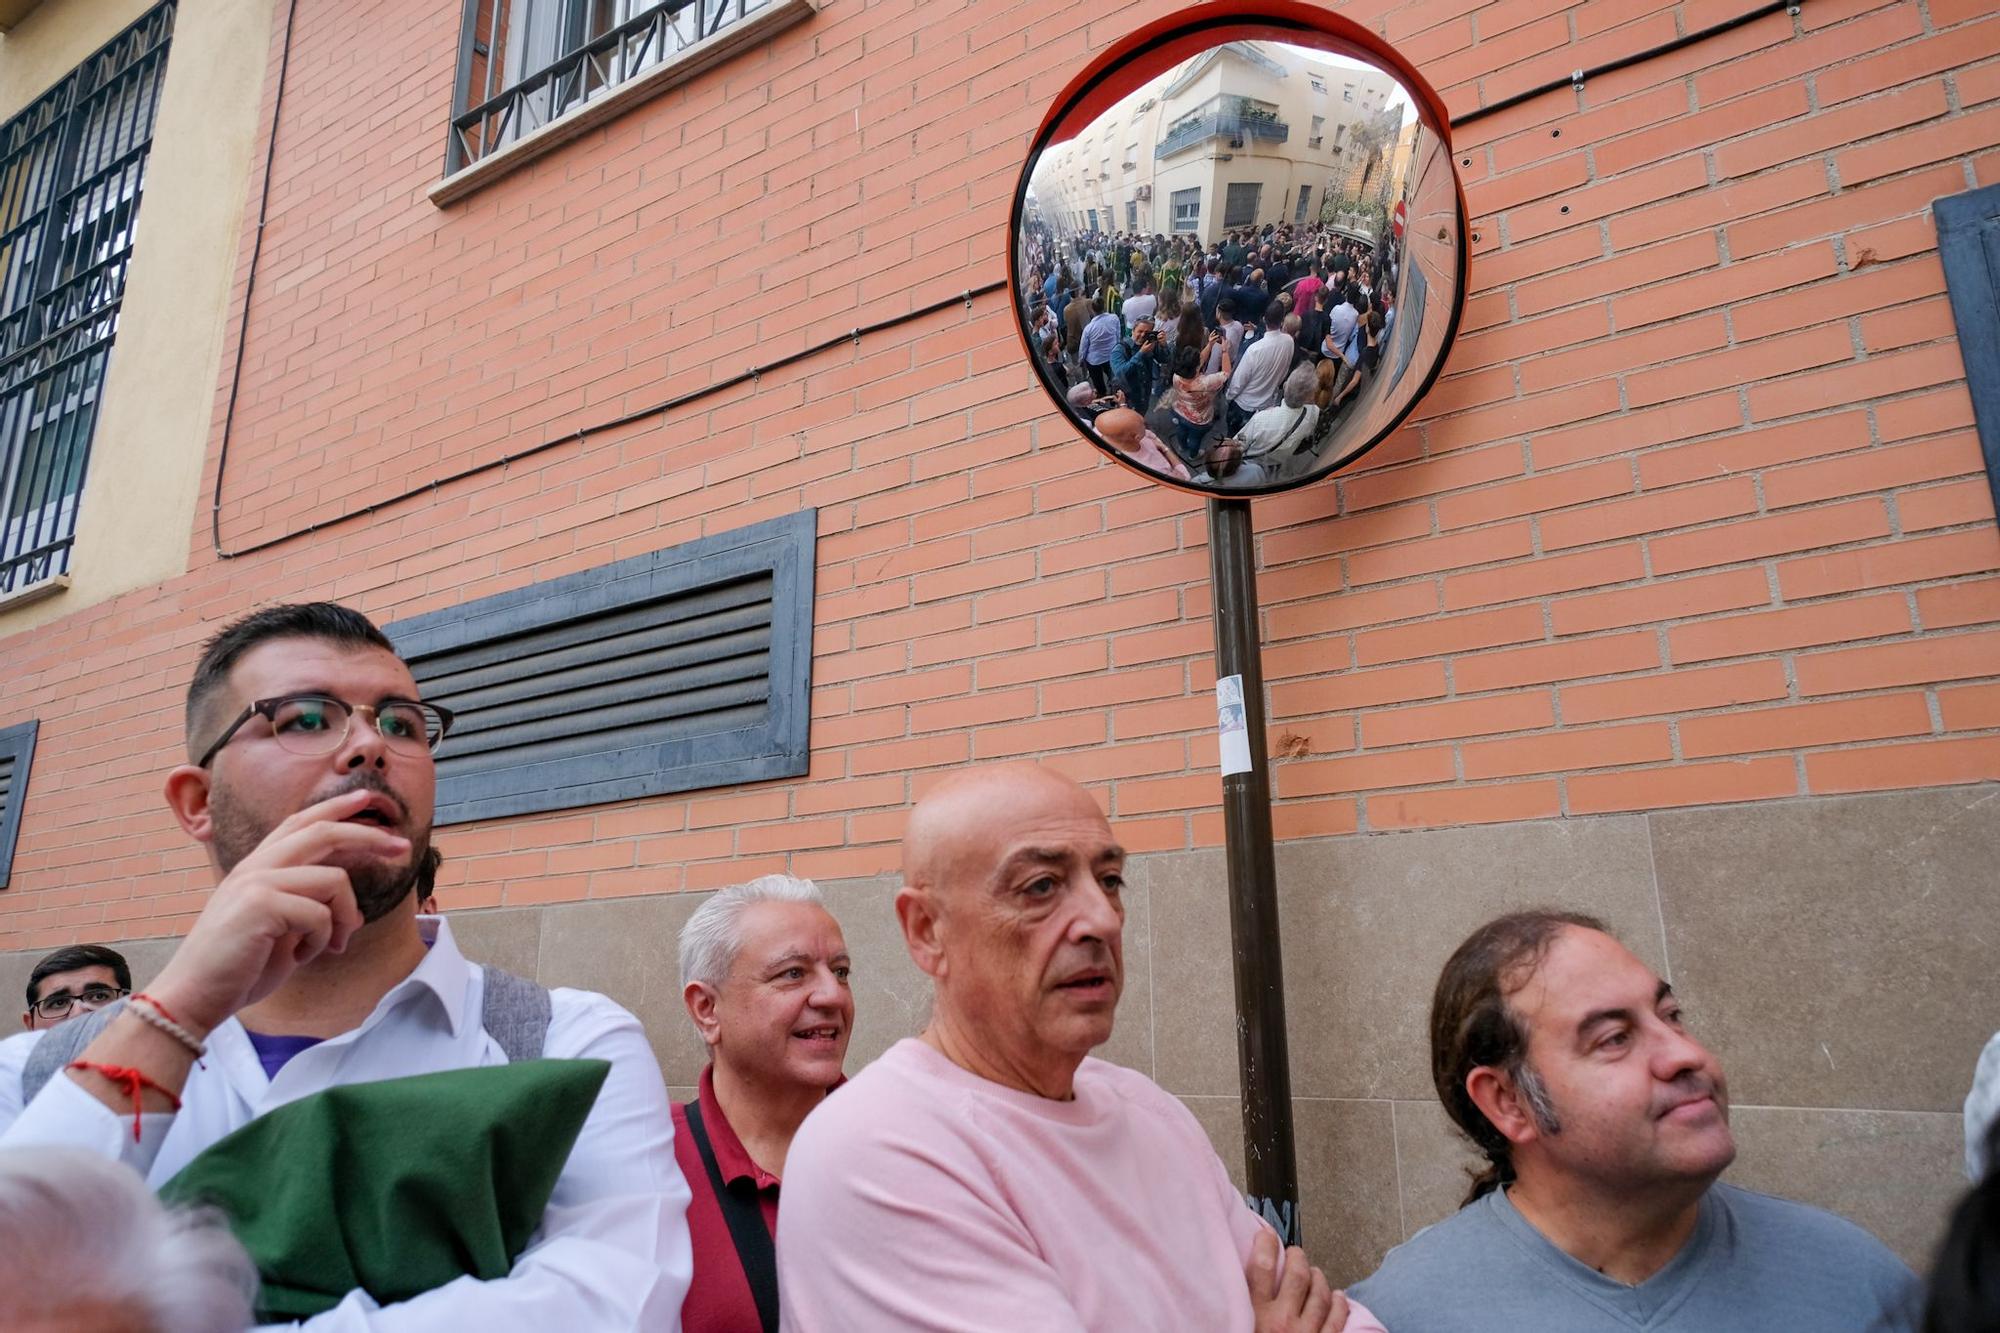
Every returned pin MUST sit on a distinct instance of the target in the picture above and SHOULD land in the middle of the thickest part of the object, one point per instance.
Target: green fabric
(396, 1187)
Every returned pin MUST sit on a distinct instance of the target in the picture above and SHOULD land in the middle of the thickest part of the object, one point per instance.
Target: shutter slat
(628, 656)
(588, 630)
(666, 691)
(619, 726)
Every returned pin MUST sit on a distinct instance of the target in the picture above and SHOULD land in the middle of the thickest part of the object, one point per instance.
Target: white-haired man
(86, 1248)
(764, 976)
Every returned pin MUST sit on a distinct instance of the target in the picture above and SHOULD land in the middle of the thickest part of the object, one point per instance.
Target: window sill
(33, 593)
(759, 28)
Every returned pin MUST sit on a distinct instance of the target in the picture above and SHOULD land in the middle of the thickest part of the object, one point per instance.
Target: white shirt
(1260, 375)
(1340, 329)
(1138, 308)
(612, 1252)
(1278, 426)
(13, 1059)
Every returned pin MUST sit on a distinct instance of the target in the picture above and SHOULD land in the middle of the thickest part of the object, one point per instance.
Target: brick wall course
(1694, 515)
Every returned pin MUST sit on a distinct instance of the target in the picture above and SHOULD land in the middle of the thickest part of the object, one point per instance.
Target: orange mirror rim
(1159, 46)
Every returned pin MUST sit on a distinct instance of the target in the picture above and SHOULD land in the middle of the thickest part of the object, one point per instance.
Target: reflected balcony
(1235, 126)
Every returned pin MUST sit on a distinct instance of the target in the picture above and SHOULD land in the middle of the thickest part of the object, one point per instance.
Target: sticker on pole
(1230, 727)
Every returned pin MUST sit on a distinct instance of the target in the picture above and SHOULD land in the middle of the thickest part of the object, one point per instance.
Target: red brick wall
(1695, 515)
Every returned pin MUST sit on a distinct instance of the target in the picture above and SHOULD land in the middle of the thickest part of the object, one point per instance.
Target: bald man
(988, 1176)
(1125, 430)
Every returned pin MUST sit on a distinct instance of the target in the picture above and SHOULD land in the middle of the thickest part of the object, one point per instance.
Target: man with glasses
(69, 983)
(77, 980)
(310, 982)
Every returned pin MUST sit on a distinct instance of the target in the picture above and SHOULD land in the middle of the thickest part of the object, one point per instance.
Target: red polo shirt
(719, 1299)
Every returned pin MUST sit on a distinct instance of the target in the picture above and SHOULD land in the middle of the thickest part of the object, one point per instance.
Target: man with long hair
(1605, 1124)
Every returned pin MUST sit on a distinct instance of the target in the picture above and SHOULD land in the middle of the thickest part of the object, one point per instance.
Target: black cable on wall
(1576, 79)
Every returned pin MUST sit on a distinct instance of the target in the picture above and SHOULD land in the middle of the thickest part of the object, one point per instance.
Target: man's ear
(1502, 1104)
(187, 792)
(700, 999)
(923, 936)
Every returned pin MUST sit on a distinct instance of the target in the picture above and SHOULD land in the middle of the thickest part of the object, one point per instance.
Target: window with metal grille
(524, 64)
(1131, 215)
(1239, 206)
(1305, 197)
(685, 668)
(71, 170)
(1187, 209)
(17, 751)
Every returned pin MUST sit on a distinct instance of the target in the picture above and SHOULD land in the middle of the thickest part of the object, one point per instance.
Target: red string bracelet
(133, 1081)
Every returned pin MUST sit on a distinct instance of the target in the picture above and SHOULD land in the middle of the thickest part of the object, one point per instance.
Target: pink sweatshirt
(922, 1196)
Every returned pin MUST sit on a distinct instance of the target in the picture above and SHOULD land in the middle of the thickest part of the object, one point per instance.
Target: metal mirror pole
(1270, 1163)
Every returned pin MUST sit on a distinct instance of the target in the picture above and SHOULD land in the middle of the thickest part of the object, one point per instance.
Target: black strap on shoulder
(744, 1214)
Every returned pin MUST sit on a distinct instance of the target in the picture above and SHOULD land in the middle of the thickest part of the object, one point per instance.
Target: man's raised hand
(280, 907)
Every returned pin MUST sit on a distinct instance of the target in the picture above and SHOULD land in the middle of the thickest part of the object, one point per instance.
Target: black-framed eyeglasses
(92, 998)
(318, 724)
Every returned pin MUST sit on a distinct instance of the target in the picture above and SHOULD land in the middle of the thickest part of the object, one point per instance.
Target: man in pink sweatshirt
(988, 1176)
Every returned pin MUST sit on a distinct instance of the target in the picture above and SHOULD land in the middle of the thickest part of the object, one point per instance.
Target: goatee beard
(379, 889)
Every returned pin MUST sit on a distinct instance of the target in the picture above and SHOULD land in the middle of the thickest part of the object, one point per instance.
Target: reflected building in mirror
(1243, 135)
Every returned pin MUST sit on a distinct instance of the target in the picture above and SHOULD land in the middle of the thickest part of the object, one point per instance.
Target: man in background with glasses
(311, 782)
(80, 979)
(73, 981)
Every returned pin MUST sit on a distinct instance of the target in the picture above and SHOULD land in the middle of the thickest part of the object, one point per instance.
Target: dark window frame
(781, 747)
(1232, 215)
(17, 743)
(1192, 222)
(72, 172)
(1968, 227)
(579, 51)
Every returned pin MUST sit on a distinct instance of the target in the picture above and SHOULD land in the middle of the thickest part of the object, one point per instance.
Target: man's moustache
(362, 780)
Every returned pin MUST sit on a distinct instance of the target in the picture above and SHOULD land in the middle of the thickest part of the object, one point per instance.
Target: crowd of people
(321, 1114)
(1239, 358)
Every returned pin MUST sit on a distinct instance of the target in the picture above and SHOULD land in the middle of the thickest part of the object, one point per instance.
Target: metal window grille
(523, 64)
(72, 167)
(1239, 206)
(1305, 197)
(1187, 209)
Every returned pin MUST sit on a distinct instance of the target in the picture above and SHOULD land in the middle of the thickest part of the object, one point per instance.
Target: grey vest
(515, 1013)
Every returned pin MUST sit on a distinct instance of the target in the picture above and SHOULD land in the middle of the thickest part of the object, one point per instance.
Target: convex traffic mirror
(1239, 246)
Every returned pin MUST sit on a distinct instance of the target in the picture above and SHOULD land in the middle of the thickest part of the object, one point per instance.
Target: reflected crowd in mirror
(1229, 365)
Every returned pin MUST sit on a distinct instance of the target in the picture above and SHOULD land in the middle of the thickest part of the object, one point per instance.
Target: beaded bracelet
(154, 1014)
(132, 1082)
